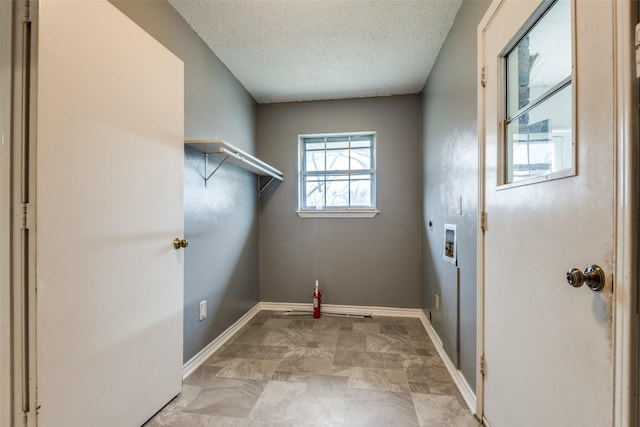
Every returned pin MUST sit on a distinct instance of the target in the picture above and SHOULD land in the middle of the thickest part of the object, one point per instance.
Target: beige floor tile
(248, 369)
(227, 397)
(377, 408)
(379, 379)
(442, 411)
(298, 371)
(279, 404)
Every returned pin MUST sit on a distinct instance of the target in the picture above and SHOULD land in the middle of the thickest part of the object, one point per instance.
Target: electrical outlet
(437, 302)
(203, 310)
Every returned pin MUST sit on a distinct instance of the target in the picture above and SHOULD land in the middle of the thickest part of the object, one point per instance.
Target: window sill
(339, 213)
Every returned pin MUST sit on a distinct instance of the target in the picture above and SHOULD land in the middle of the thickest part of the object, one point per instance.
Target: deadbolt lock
(593, 276)
(180, 243)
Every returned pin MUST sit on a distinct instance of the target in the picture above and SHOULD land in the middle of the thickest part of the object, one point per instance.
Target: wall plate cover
(203, 310)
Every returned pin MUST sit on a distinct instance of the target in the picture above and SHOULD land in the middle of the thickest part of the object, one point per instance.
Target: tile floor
(282, 370)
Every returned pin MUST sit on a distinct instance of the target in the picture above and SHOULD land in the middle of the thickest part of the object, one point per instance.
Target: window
(337, 175)
(538, 87)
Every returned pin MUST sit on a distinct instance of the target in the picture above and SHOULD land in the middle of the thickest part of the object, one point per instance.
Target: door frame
(625, 328)
(17, 196)
(6, 39)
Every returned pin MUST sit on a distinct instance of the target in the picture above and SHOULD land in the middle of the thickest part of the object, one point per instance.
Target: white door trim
(20, 146)
(6, 400)
(486, 20)
(626, 222)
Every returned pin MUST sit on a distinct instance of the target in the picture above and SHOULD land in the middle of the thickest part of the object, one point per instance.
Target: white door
(109, 204)
(548, 346)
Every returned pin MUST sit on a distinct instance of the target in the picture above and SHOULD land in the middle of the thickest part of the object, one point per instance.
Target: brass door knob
(180, 243)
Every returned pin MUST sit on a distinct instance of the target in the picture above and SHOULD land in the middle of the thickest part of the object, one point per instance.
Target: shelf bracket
(206, 167)
(227, 153)
(264, 187)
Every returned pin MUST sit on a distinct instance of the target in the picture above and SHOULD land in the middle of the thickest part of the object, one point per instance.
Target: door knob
(180, 243)
(593, 276)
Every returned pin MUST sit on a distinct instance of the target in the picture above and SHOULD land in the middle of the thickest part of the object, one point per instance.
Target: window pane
(337, 191)
(314, 144)
(360, 158)
(335, 143)
(337, 160)
(361, 141)
(314, 161)
(314, 192)
(541, 60)
(540, 141)
(361, 190)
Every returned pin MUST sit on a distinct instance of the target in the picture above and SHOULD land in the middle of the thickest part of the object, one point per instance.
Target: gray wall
(221, 220)
(372, 261)
(450, 165)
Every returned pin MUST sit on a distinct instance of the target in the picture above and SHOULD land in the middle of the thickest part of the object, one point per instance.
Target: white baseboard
(343, 309)
(463, 386)
(205, 353)
(459, 380)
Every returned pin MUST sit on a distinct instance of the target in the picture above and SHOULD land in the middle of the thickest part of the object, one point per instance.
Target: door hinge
(483, 77)
(483, 221)
(28, 418)
(24, 10)
(483, 366)
(638, 51)
(28, 219)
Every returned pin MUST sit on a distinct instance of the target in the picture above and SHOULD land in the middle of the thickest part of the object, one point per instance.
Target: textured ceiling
(300, 50)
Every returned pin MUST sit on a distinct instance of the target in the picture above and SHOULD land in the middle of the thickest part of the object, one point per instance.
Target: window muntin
(538, 95)
(337, 172)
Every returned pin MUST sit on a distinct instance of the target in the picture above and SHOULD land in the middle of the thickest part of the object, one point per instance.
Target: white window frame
(342, 212)
(570, 81)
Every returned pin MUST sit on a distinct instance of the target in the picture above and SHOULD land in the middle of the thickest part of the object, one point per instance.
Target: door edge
(625, 277)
